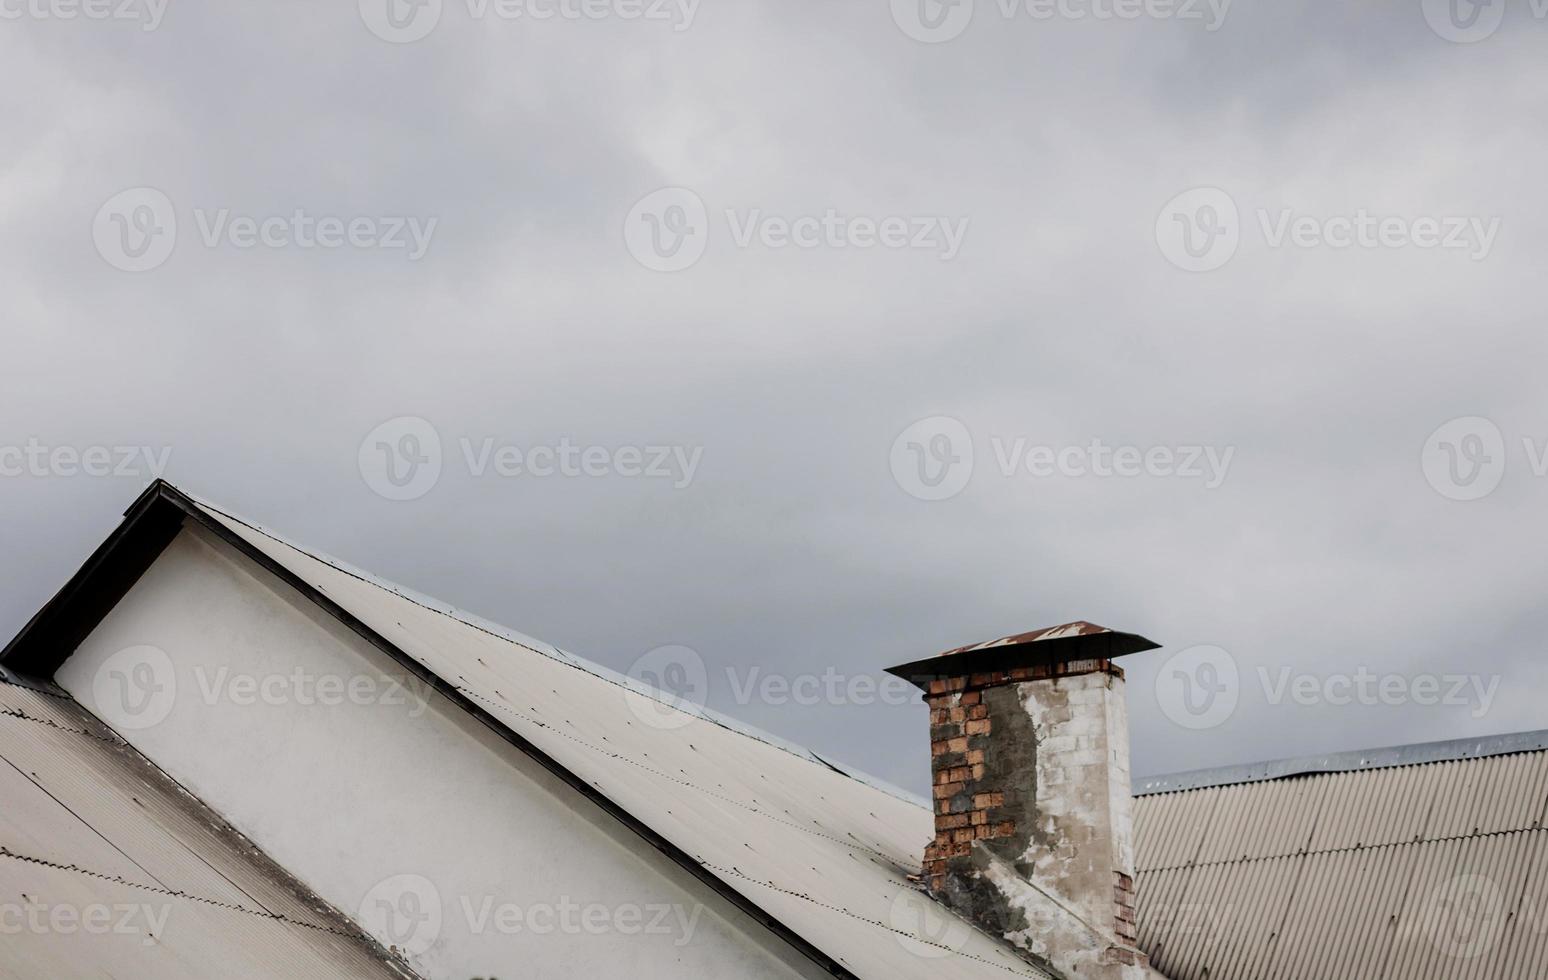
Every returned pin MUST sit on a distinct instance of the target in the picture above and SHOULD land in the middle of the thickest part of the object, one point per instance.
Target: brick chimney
(1029, 747)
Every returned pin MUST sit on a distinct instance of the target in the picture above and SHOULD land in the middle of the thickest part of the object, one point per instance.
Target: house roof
(1353, 865)
(817, 855)
(1413, 862)
(88, 824)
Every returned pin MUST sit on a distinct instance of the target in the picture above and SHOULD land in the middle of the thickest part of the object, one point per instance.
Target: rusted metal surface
(1434, 865)
(1087, 643)
(1061, 632)
(89, 828)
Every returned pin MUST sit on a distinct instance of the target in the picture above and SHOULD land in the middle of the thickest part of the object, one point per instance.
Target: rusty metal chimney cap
(1066, 642)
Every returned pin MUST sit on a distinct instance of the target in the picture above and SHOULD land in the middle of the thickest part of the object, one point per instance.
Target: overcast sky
(916, 259)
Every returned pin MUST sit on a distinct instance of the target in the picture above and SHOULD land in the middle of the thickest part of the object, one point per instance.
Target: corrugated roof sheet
(825, 853)
(107, 868)
(1434, 867)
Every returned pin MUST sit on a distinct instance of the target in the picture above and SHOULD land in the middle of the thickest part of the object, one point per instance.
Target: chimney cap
(1064, 643)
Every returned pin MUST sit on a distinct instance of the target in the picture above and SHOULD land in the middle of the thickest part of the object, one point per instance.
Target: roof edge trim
(161, 512)
(1390, 757)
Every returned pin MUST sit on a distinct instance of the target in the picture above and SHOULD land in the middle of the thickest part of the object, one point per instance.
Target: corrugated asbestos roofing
(824, 852)
(1433, 866)
(109, 869)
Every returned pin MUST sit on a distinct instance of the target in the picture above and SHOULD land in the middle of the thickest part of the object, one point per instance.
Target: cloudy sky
(817, 337)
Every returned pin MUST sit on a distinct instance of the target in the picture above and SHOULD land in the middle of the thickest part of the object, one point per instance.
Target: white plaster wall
(415, 794)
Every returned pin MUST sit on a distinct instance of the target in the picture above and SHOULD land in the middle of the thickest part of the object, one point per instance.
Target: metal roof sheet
(826, 854)
(1382, 758)
(88, 824)
(1430, 866)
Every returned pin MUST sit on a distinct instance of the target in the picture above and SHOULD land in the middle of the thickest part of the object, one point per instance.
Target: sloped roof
(1427, 861)
(818, 855)
(87, 824)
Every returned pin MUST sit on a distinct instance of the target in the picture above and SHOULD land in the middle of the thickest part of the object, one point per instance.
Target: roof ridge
(509, 635)
(1355, 760)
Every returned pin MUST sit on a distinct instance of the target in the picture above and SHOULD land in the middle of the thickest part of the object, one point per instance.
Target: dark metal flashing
(1078, 641)
(106, 578)
(111, 571)
(1385, 758)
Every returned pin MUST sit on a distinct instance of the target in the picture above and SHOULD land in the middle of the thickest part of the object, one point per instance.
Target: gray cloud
(794, 549)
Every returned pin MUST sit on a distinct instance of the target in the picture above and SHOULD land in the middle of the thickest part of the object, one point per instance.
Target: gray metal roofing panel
(1383, 758)
(87, 822)
(825, 854)
(1425, 869)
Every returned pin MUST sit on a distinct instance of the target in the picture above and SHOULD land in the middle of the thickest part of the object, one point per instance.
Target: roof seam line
(77, 869)
(499, 636)
(683, 782)
(1341, 850)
